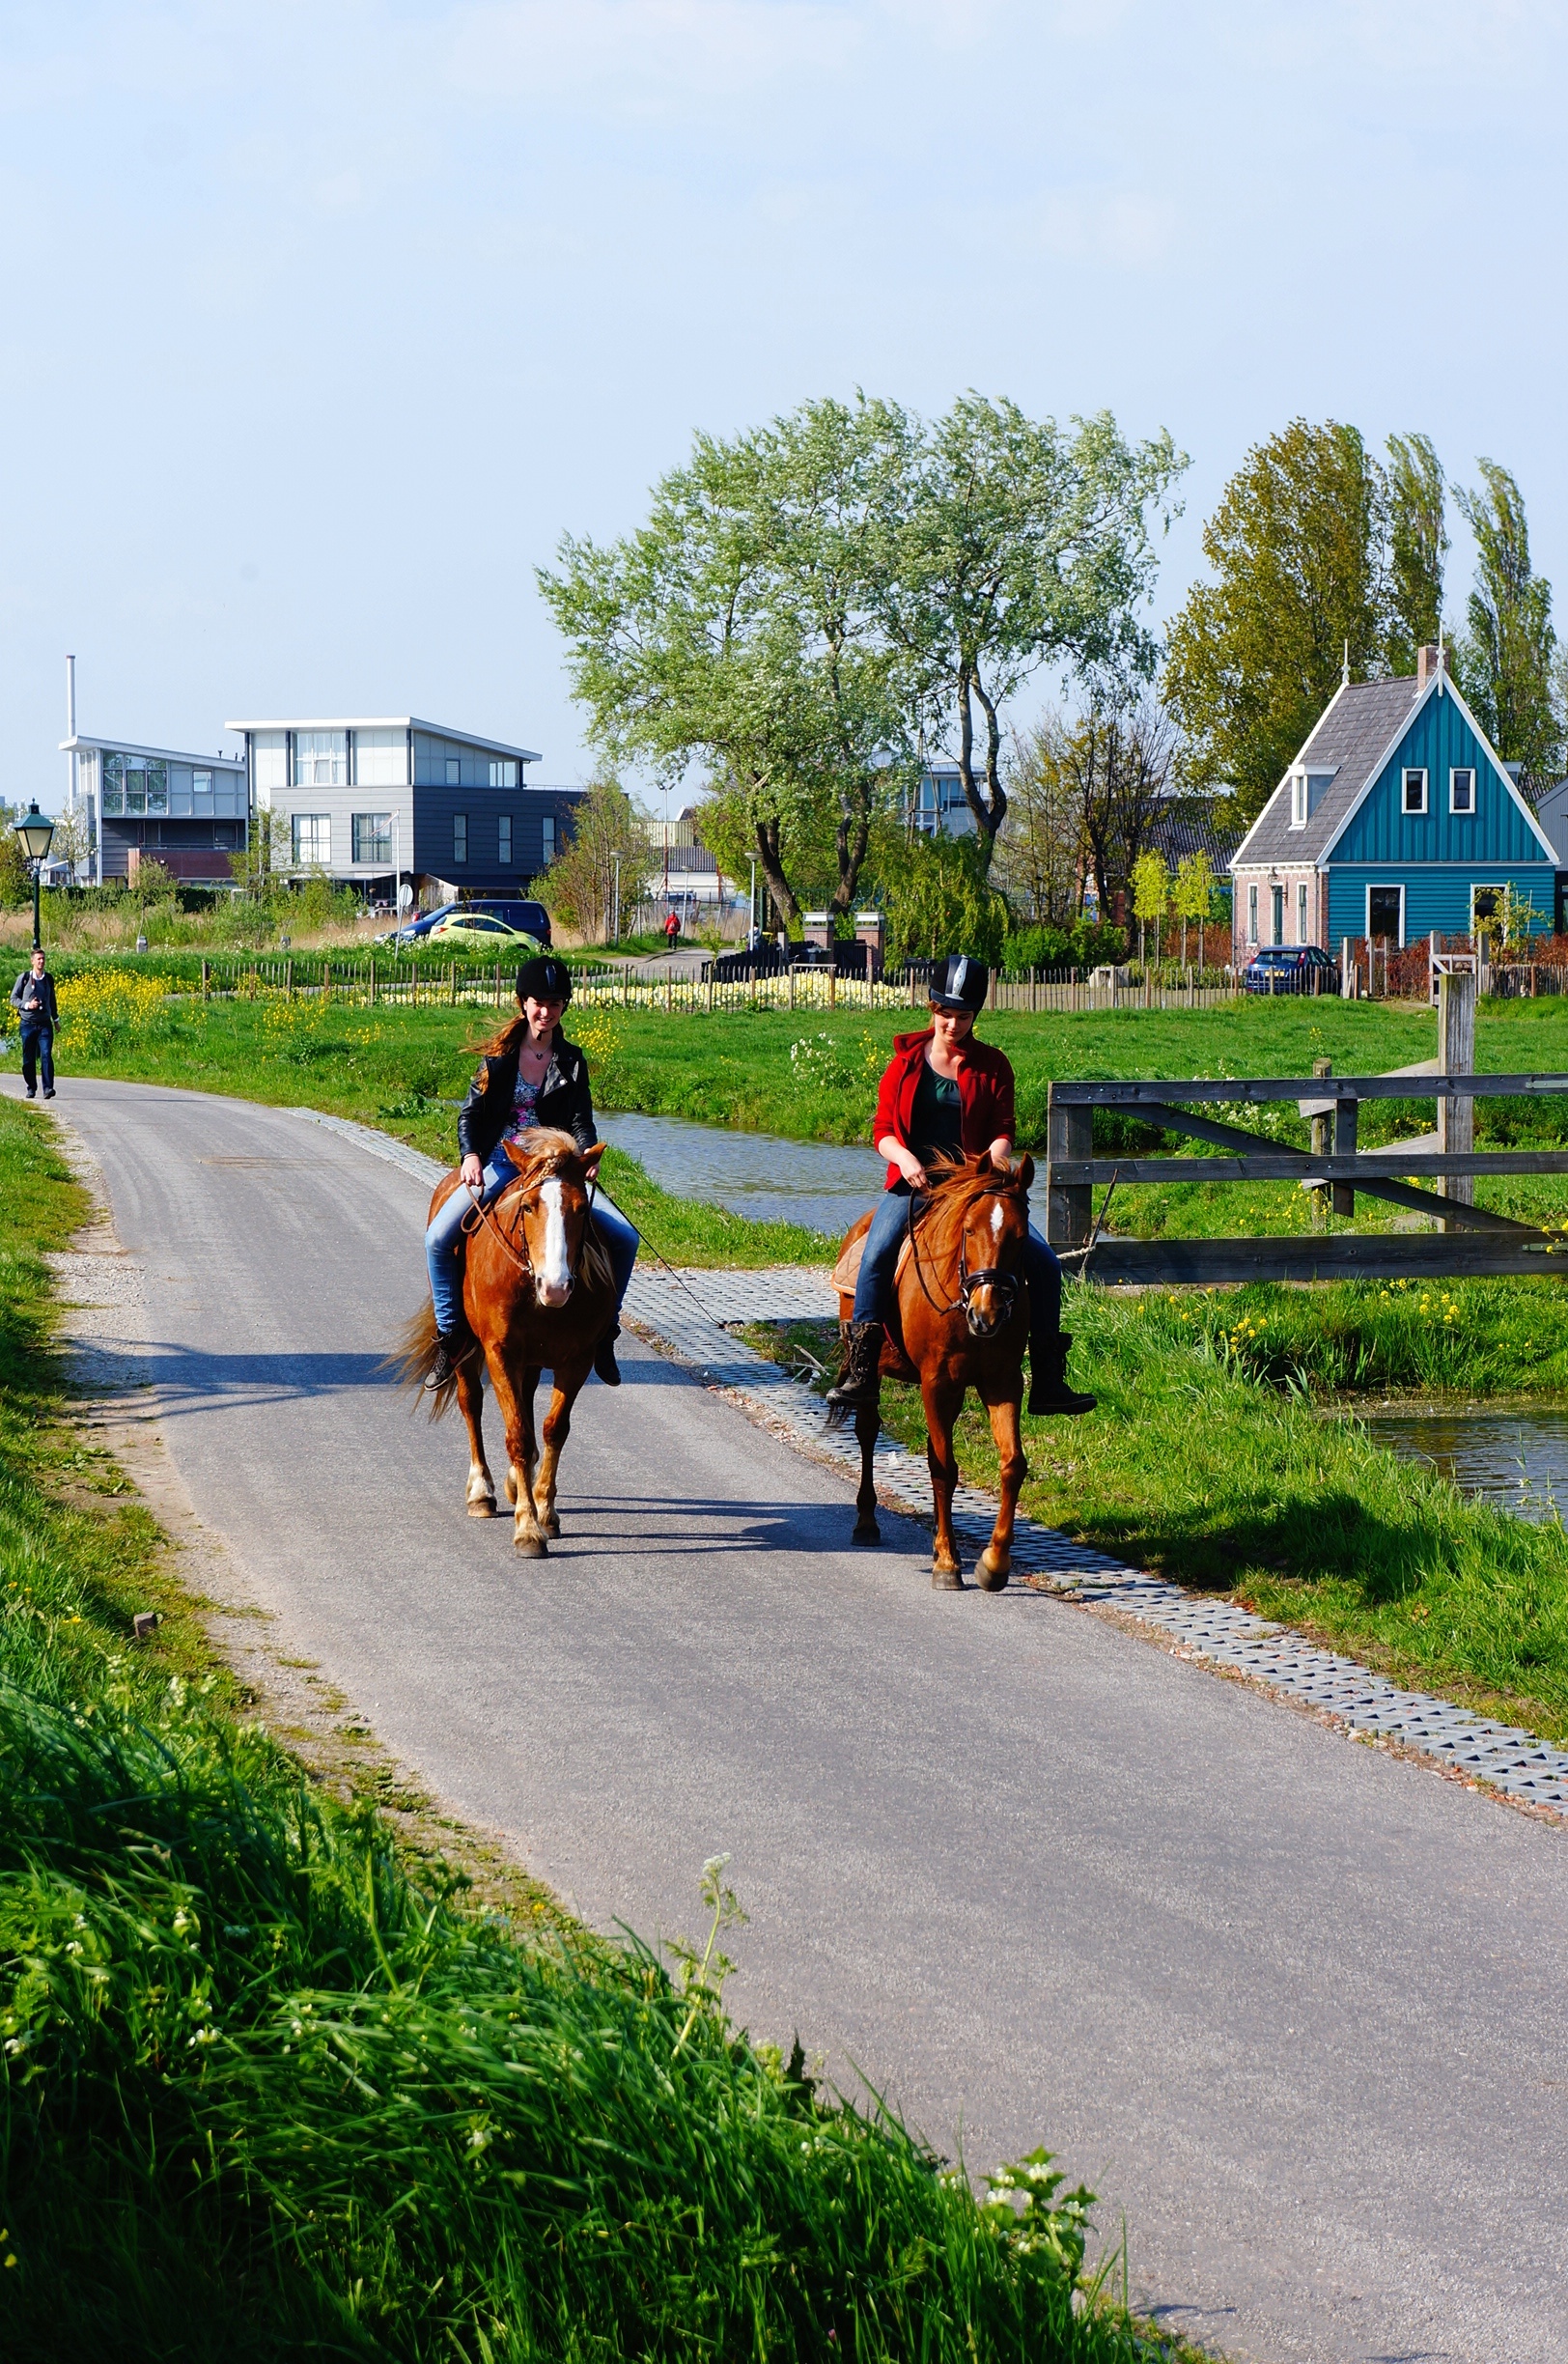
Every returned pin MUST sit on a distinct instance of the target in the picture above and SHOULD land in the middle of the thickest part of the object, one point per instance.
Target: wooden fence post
(288, 979)
(207, 979)
(1069, 1209)
(1321, 1141)
(1346, 1117)
(1456, 1055)
(832, 979)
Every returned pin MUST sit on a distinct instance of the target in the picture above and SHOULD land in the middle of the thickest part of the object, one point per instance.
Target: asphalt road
(1296, 2007)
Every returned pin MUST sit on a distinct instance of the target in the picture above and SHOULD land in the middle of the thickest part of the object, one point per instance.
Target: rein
(990, 1276)
(480, 1213)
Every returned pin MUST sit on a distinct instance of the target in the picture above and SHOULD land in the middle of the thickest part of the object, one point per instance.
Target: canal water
(757, 1175)
(1518, 1460)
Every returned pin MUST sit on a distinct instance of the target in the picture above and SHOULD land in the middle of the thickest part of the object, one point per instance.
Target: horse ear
(1024, 1170)
(591, 1157)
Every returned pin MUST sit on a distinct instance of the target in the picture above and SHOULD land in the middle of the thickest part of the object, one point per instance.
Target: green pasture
(270, 2091)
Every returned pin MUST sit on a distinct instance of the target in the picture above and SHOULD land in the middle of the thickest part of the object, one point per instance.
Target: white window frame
(1497, 887)
(1302, 910)
(459, 837)
(1409, 772)
(1466, 812)
(1298, 799)
(1253, 912)
(320, 824)
(1385, 887)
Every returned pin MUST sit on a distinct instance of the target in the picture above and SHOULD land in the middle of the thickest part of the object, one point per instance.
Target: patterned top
(522, 1107)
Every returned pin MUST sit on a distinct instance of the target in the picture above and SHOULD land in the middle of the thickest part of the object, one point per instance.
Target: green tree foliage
(579, 885)
(1191, 895)
(939, 899)
(1150, 883)
(1417, 544)
(1036, 858)
(1254, 656)
(1506, 657)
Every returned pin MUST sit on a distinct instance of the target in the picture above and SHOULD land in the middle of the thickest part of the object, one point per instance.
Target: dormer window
(1298, 799)
(1412, 799)
(1462, 790)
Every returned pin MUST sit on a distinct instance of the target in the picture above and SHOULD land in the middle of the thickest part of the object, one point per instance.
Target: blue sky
(322, 321)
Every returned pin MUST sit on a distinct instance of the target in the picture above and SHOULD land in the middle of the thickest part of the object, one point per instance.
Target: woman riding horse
(944, 1094)
(530, 1077)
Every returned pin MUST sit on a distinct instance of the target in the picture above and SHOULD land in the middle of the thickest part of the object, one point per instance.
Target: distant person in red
(672, 929)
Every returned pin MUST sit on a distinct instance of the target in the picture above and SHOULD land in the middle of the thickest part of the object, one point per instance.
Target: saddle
(895, 1362)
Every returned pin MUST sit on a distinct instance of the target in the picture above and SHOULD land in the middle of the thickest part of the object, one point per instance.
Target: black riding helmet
(543, 978)
(959, 983)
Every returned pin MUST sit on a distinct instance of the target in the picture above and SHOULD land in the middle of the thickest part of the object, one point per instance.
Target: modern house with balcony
(189, 813)
(364, 799)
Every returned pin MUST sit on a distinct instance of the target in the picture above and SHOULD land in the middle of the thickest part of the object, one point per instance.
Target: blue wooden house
(1396, 818)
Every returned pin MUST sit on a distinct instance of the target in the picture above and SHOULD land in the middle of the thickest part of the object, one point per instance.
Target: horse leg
(995, 1561)
(867, 1422)
(530, 1443)
(517, 1408)
(481, 1494)
(943, 1402)
(568, 1386)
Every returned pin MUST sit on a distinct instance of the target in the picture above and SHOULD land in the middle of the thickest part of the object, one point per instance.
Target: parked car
(473, 931)
(1290, 969)
(529, 918)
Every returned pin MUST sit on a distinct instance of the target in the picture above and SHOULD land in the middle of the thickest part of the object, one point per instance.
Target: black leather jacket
(33, 998)
(564, 1100)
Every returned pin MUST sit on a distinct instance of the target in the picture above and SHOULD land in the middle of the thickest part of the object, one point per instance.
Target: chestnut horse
(963, 1314)
(537, 1295)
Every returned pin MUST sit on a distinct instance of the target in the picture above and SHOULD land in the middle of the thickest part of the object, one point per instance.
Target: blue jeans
(874, 1290)
(37, 1044)
(443, 1241)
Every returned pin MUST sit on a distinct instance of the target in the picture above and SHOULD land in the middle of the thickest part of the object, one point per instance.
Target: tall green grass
(264, 2094)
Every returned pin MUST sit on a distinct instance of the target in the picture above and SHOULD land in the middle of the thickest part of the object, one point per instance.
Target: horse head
(553, 1201)
(990, 1217)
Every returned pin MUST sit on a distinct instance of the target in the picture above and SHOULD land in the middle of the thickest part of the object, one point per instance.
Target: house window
(1413, 798)
(312, 839)
(459, 837)
(201, 785)
(454, 771)
(372, 837)
(1251, 914)
(1486, 907)
(1385, 913)
(135, 786)
(1300, 912)
(503, 839)
(1277, 898)
(1462, 790)
(547, 835)
(1298, 801)
(503, 771)
(320, 758)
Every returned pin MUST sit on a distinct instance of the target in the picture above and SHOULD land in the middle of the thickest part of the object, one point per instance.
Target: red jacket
(985, 1093)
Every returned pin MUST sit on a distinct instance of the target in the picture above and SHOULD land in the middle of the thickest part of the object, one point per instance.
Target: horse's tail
(413, 1358)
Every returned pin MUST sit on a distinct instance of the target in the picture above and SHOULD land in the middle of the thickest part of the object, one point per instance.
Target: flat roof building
(187, 812)
(362, 798)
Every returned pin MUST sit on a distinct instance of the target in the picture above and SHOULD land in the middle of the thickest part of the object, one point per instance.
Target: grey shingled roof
(1353, 735)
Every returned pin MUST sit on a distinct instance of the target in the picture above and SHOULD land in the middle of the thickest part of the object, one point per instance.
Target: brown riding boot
(859, 1386)
(1049, 1392)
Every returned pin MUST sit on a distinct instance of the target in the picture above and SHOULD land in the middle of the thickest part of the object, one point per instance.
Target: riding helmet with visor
(543, 978)
(959, 983)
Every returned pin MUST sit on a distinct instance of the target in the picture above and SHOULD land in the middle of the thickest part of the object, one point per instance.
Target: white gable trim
(1295, 764)
(1436, 687)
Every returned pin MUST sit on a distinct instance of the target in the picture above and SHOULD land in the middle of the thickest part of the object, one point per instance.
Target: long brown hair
(509, 1039)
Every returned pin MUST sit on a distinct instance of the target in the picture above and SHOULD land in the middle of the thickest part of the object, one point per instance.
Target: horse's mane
(957, 1182)
(549, 1150)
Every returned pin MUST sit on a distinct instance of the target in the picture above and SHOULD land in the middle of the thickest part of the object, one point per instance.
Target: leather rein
(478, 1214)
(990, 1275)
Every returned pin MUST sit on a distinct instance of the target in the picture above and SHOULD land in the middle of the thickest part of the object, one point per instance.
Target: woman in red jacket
(945, 1094)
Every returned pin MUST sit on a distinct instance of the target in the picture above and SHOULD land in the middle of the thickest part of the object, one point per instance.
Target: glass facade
(503, 771)
(321, 759)
(134, 784)
(372, 837)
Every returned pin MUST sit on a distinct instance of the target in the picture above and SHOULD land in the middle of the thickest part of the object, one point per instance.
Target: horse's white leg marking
(555, 1275)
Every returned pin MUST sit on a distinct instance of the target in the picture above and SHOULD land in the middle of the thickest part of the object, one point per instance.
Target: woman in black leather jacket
(529, 1075)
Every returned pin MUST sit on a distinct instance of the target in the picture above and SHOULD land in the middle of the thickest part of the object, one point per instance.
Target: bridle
(1006, 1284)
(516, 1245)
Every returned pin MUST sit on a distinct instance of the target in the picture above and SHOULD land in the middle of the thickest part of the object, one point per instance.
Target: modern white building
(939, 807)
(187, 812)
(364, 797)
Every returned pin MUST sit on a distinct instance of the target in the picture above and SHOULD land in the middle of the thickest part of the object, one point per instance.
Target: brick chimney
(1428, 660)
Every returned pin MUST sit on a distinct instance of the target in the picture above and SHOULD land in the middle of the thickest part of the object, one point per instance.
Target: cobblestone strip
(686, 1312)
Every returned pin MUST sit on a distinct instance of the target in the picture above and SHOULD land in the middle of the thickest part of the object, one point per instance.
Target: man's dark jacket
(564, 1100)
(44, 1013)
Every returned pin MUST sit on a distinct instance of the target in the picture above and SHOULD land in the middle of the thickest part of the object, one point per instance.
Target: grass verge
(1210, 1458)
(264, 2094)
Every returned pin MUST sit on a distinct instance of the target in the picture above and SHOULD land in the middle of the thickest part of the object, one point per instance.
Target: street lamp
(35, 830)
(615, 902)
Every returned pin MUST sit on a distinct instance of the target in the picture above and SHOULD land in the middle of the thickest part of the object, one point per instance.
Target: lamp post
(615, 899)
(35, 830)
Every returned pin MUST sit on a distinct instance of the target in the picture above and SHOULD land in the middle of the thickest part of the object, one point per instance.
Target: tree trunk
(773, 870)
(853, 836)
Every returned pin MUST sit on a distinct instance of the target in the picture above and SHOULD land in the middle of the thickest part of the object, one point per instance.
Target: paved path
(1297, 2006)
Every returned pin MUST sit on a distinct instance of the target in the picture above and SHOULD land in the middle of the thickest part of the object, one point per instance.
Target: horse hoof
(532, 1547)
(867, 1531)
(948, 1580)
(484, 1507)
(991, 1575)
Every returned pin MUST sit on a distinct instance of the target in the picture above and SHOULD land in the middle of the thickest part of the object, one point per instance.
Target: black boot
(1049, 1391)
(451, 1349)
(858, 1386)
(604, 1363)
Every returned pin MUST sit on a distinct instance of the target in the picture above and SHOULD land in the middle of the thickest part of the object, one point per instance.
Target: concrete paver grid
(1296, 2007)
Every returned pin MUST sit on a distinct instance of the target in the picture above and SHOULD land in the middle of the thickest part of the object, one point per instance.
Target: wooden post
(709, 988)
(1069, 1134)
(1344, 1122)
(207, 979)
(1322, 1134)
(288, 979)
(790, 965)
(1456, 1055)
(832, 979)
(451, 985)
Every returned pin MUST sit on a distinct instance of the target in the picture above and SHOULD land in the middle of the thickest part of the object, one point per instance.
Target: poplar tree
(1417, 544)
(1506, 657)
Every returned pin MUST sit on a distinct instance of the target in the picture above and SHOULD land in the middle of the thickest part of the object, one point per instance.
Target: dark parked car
(531, 918)
(1290, 969)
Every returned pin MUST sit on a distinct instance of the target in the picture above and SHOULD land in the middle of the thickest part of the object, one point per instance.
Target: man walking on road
(33, 998)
